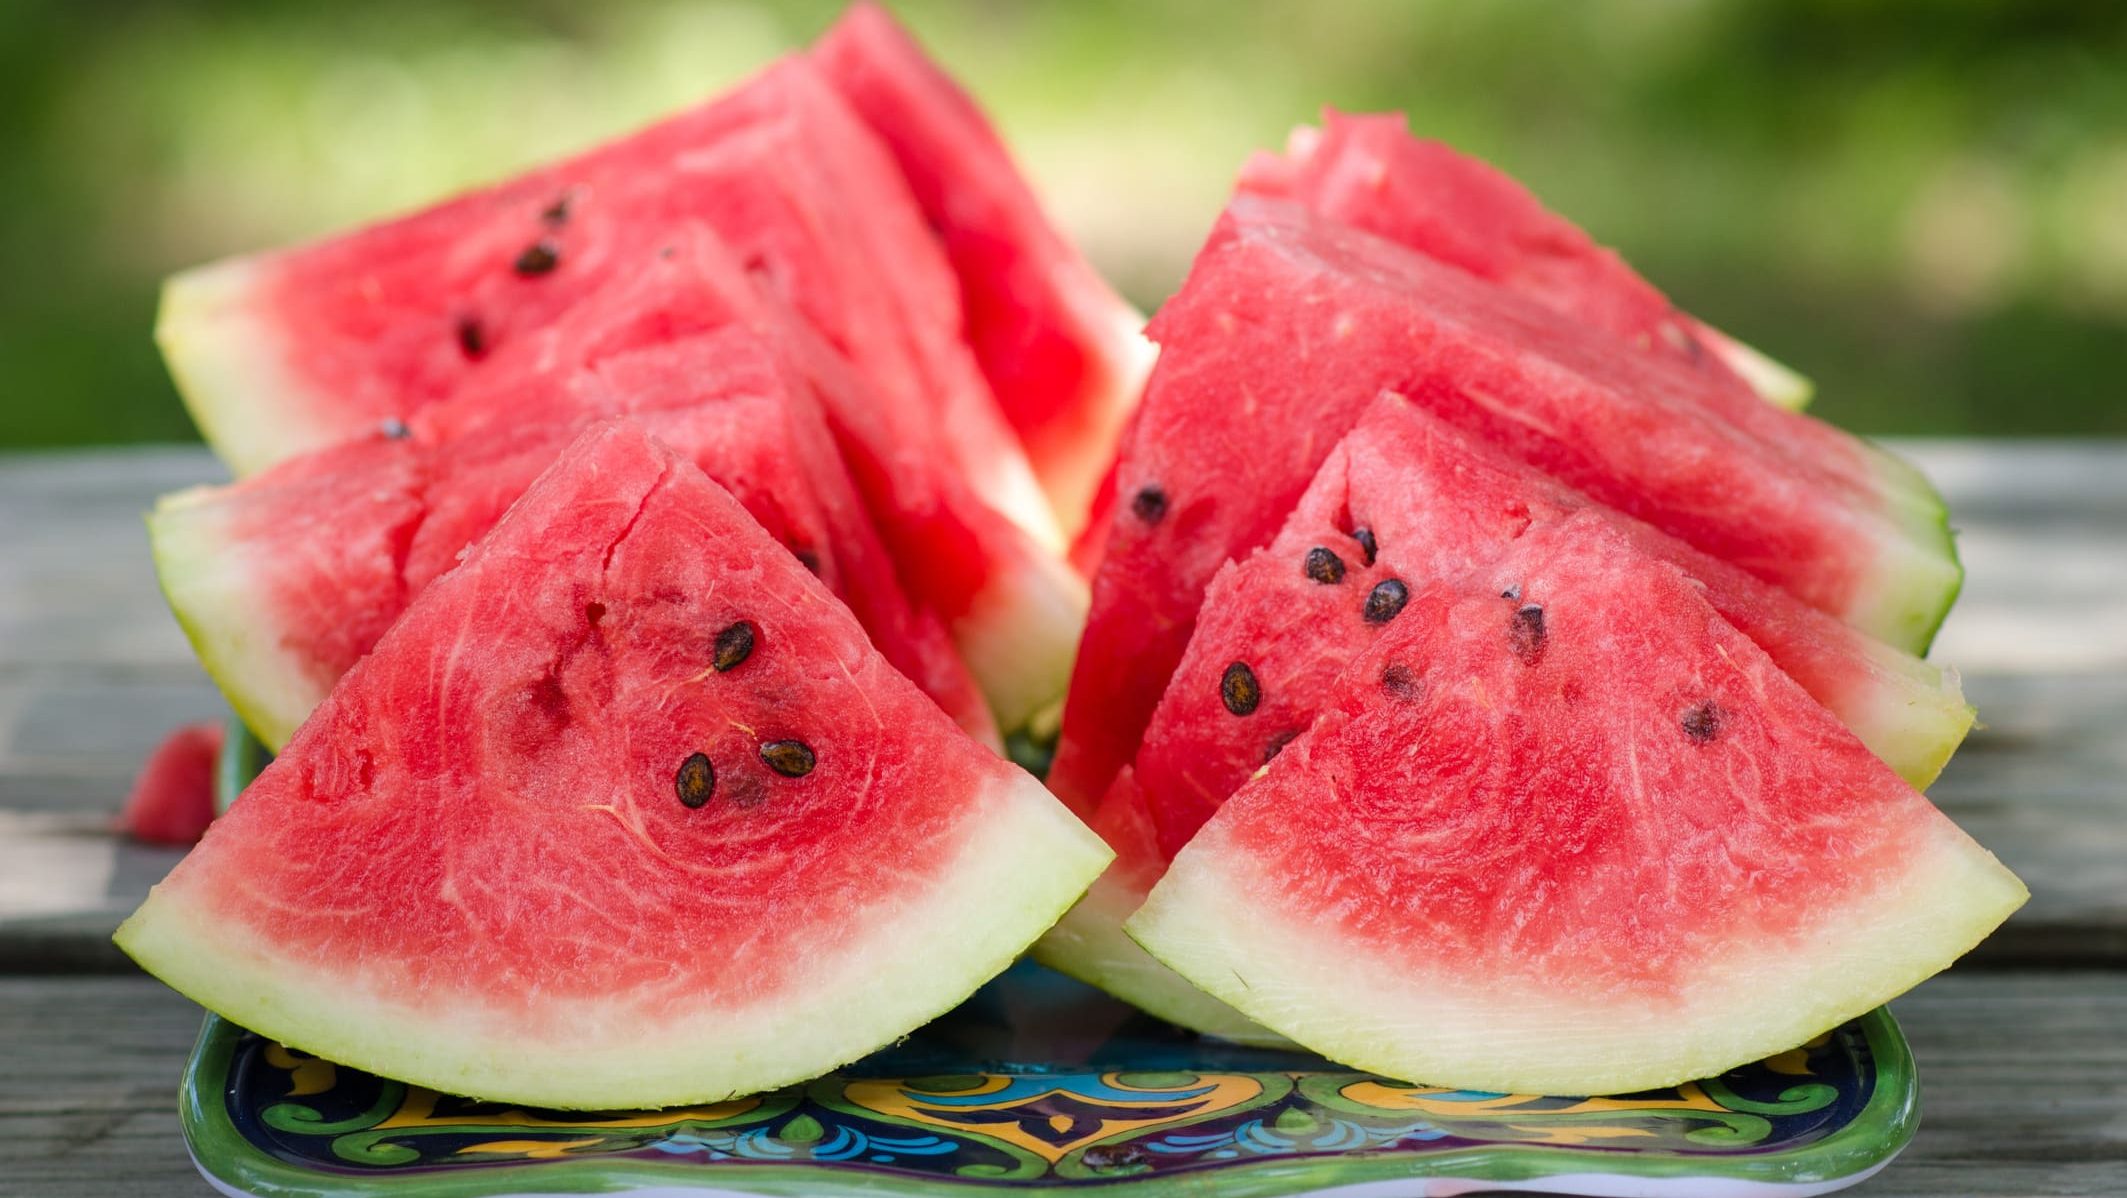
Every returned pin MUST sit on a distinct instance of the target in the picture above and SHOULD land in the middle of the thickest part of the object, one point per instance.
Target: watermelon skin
(1289, 325)
(1539, 862)
(284, 580)
(172, 800)
(1367, 171)
(284, 352)
(471, 870)
(1064, 355)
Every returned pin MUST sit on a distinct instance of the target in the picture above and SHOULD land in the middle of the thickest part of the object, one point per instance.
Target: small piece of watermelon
(285, 579)
(1563, 830)
(1289, 325)
(288, 351)
(624, 812)
(1064, 355)
(1405, 500)
(1367, 171)
(172, 800)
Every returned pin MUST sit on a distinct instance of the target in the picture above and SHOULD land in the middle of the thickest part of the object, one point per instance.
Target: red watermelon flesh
(1063, 353)
(1564, 830)
(1289, 325)
(287, 351)
(1432, 503)
(624, 812)
(1369, 172)
(172, 800)
(1013, 609)
(286, 579)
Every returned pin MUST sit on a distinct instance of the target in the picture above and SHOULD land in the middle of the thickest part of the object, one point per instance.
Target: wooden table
(2022, 1047)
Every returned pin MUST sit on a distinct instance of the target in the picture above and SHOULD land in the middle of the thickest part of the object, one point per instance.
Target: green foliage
(1922, 205)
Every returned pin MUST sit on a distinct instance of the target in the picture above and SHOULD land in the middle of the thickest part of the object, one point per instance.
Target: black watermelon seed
(557, 213)
(1702, 722)
(1239, 690)
(733, 646)
(1512, 592)
(537, 259)
(1149, 504)
(1113, 1156)
(1526, 633)
(1385, 601)
(394, 429)
(1323, 566)
(696, 780)
(1365, 537)
(1399, 681)
(472, 337)
(1277, 744)
(790, 758)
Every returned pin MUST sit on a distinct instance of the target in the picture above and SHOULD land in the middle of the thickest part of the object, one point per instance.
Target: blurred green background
(1923, 205)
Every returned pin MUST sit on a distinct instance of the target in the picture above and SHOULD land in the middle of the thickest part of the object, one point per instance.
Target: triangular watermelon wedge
(1289, 325)
(281, 352)
(624, 812)
(1064, 355)
(1013, 609)
(1367, 171)
(1405, 500)
(284, 579)
(1566, 831)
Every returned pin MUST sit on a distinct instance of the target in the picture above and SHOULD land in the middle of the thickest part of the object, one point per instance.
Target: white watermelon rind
(1020, 637)
(1774, 381)
(1089, 944)
(227, 366)
(891, 966)
(1918, 575)
(205, 581)
(1243, 937)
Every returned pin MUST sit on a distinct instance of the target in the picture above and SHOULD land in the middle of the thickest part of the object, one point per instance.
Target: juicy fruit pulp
(1306, 322)
(558, 841)
(172, 800)
(1062, 352)
(1548, 849)
(287, 578)
(292, 350)
(1405, 500)
(1368, 172)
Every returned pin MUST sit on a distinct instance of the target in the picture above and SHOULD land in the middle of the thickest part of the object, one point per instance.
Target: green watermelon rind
(223, 360)
(236, 642)
(1920, 576)
(1244, 939)
(1022, 861)
(1089, 944)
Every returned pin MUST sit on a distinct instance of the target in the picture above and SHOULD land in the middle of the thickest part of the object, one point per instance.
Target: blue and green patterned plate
(1039, 1084)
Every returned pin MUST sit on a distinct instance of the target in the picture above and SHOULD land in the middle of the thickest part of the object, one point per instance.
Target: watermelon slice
(1289, 325)
(1063, 353)
(288, 351)
(1013, 609)
(624, 812)
(287, 578)
(172, 800)
(1563, 830)
(1369, 172)
(1405, 500)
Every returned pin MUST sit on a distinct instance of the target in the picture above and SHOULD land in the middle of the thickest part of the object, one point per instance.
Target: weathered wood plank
(2024, 1082)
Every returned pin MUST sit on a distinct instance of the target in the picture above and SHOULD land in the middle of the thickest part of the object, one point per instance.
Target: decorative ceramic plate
(1039, 1084)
